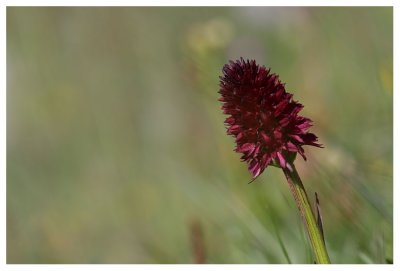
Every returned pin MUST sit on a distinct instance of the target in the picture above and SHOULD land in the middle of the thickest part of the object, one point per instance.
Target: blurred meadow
(117, 151)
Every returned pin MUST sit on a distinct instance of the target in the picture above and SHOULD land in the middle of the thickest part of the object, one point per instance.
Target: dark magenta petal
(281, 159)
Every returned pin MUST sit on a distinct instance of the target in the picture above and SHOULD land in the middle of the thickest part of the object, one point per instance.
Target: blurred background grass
(116, 148)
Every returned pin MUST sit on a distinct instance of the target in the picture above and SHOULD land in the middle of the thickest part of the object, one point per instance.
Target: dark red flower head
(262, 117)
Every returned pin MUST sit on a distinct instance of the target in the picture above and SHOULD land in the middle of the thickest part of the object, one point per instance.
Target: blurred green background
(117, 152)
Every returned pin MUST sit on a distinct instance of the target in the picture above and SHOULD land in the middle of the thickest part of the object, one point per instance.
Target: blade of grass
(281, 244)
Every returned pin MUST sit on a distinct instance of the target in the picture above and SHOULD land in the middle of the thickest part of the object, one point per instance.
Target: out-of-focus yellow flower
(386, 76)
(213, 34)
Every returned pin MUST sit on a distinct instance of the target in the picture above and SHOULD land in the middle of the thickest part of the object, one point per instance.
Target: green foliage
(116, 143)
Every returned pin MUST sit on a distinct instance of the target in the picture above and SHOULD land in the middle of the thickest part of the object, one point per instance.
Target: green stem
(303, 204)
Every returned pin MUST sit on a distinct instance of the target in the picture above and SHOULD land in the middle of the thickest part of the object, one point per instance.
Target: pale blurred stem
(303, 204)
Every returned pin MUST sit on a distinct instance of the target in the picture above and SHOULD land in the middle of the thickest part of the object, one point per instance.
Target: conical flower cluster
(262, 117)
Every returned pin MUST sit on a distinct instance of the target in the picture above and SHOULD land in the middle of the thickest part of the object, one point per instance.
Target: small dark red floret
(262, 116)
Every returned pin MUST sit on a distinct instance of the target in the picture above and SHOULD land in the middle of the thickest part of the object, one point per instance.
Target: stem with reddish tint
(303, 204)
